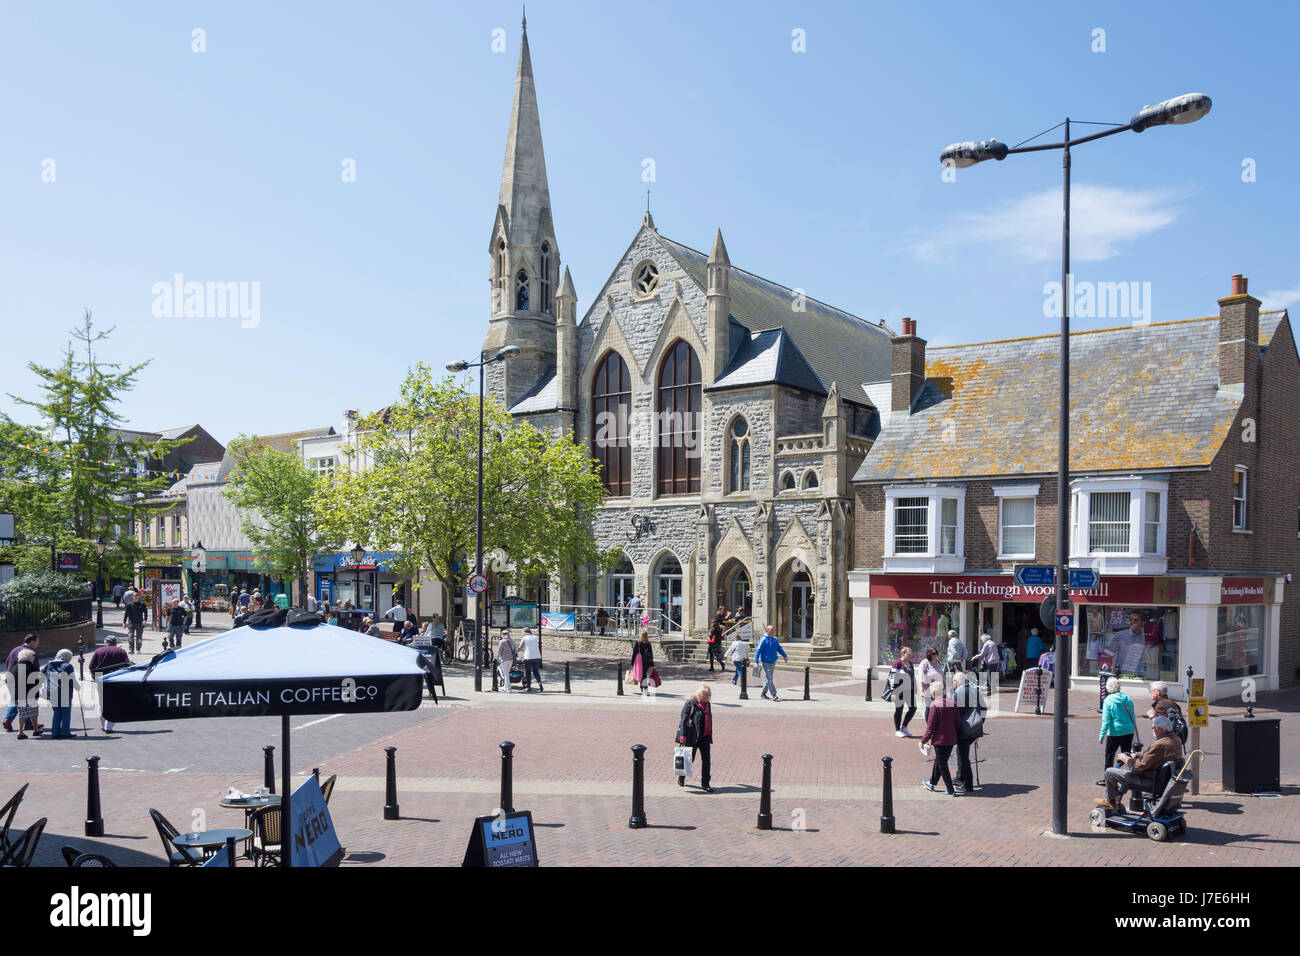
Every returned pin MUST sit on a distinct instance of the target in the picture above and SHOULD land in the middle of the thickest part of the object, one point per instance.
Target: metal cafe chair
(7, 814)
(22, 850)
(266, 836)
(327, 787)
(176, 855)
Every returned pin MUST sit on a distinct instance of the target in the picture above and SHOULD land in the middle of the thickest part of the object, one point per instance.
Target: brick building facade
(1185, 496)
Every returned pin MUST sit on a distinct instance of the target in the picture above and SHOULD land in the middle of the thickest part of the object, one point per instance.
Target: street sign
(1198, 712)
(1047, 610)
(1065, 623)
(1084, 579)
(478, 583)
(1035, 575)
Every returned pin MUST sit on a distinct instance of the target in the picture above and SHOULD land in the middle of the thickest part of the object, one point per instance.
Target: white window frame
(932, 559)
(317, 465)
(1003, 492)
(1244, 524)
(1136, 559)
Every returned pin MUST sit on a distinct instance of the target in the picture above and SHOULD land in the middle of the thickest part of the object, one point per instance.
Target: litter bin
(1252, 754)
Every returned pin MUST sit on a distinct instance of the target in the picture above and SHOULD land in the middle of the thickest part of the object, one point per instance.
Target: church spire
(524, 191)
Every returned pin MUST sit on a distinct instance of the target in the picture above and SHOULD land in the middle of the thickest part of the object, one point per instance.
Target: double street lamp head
(1178, 111)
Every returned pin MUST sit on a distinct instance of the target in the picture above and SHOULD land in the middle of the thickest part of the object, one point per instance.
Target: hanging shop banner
(69, 563)
(1147, 591)
(565, 621)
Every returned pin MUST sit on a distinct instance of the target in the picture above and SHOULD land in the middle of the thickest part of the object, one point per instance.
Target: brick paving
(573, 770)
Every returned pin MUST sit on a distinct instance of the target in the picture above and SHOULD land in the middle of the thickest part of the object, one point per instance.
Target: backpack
(1175, 716)
(971, 725)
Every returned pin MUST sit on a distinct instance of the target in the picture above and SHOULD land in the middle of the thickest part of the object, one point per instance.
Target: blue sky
(821, 167)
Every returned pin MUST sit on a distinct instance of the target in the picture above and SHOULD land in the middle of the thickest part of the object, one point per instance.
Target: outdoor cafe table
(249, 805)
(209, 841)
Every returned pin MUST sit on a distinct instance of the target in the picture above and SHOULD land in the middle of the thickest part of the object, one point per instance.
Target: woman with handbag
(1118, 725)
(695, 730)
(931, 675)
(643, 660)
(902, 681)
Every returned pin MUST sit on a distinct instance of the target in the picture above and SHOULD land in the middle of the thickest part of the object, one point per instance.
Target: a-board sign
(469, 628)
(1198, 712)
(1034, 683)
(504, 840)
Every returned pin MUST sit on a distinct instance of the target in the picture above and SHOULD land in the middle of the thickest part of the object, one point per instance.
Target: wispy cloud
(1102, 219)
(1282, 298)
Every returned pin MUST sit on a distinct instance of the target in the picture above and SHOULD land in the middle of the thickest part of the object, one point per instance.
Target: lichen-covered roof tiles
(1141, 397)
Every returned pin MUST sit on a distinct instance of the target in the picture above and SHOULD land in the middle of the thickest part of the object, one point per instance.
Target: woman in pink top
(931, 675)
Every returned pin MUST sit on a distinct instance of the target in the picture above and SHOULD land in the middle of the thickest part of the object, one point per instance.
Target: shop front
(226, 573)
(1139, 628)
(369, 585)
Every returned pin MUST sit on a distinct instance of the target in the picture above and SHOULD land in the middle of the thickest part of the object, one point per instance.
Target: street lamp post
(200, 564)
(504, 353)
(100, 548)
(1177, 111)
(358, 555)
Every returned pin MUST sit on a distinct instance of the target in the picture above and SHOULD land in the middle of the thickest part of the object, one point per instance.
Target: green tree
(278, 495)
(412, 487)
(70, 481)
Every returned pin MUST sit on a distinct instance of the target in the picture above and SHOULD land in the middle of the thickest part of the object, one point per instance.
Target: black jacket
(691, 724)
(136, 612)
(647, 653)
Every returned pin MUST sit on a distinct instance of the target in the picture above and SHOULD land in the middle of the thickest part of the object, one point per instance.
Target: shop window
(1241, 642)
(1016, 523)
(917, 625)
(1133, 642)
(1240, 478)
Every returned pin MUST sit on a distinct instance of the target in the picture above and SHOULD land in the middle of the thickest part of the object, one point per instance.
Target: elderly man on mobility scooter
(1137, 772)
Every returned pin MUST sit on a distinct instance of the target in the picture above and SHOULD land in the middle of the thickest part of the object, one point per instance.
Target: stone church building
(728, 413)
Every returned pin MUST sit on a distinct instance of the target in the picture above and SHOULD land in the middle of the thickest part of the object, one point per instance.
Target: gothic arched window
(678, 404)
(611, 407)
(521, 291)
(500, 304)
(787, 482)
(546, 278)
(738, 454)
(810, 480)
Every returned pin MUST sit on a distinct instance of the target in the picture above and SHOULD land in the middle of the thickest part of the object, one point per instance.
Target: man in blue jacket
(766, 653)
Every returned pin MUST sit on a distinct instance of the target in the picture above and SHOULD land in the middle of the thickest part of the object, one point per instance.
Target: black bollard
(268, 775)
(620, 678)
(765, 800)
(494, 679)
(805, 683)
(230, 851)
(390, 788)
(744, 680)
(81, 660)
(94, 815)
(637, 820)
(887, 807)
(507, 776)
(566, 678)
(315, 772)
(868, 697)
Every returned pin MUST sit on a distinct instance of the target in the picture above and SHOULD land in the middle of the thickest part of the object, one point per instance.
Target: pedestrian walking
(505, 659)
(715, 647)
(602, 619)
(971, 708)
(60, 682)
(27, 686)
(902, 686)
(643, 660)
(695, 730)
(118, 591)
(931, 676)
(312, 604)
(1118, 724)
(989, 658)
(135, 618)
(768, 648)
(29, 643)
(129, 597)
(245, 599)
(739, 654)
(175, 615)
(396, 613)
(956, 661)
(530, 652)
(107, 659)
(941, 732)
(189, 610)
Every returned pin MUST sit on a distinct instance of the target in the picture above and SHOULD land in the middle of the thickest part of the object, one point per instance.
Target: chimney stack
(907, 374)
(1239, 341)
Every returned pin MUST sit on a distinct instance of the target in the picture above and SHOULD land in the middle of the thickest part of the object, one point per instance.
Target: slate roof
(1141, 398)
(833, 344)
(284, 442)
(542, 397)
(763, 358)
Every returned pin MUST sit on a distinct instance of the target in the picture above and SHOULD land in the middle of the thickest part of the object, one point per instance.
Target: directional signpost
(1035, 575)
(1084, 579)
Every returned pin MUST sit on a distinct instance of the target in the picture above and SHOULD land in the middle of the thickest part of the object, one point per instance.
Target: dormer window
(646, 278)
(546, 278)
(521, 291)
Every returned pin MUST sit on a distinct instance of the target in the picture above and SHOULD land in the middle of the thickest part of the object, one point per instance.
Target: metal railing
(618, 621)
(36, 614)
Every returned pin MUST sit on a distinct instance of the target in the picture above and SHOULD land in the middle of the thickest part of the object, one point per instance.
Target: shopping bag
(636, 669)
(682, 761)
(654, 676)
(757, 673)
